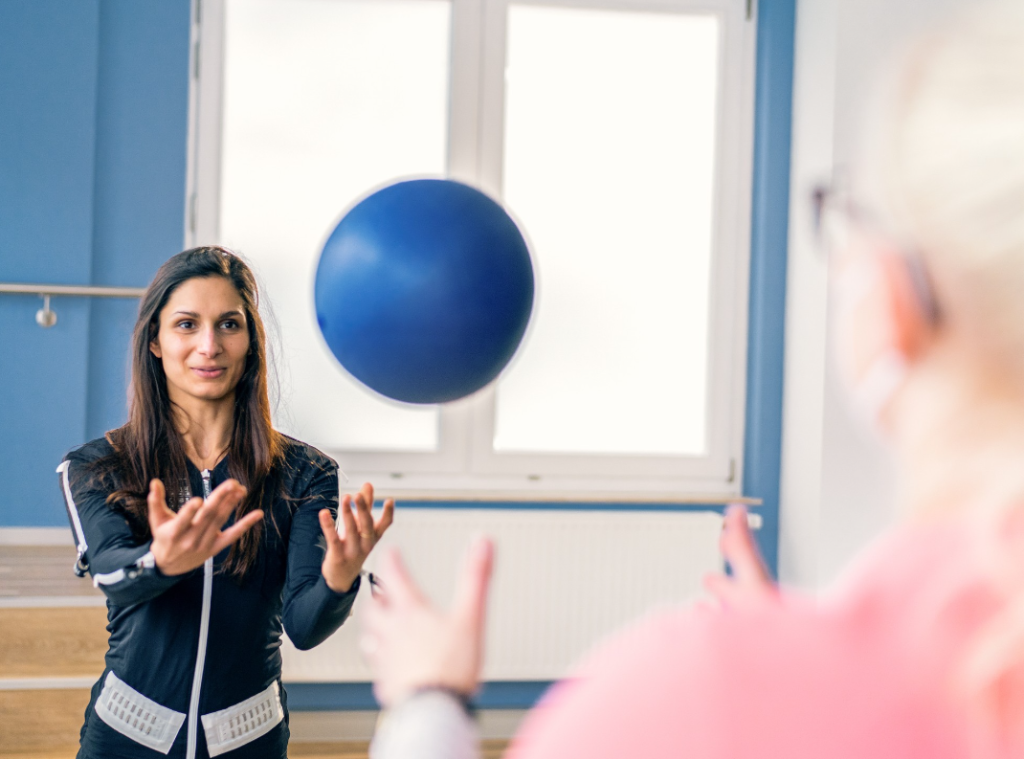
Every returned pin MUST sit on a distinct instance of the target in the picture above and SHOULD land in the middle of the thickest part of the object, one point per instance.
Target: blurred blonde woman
(919, 652)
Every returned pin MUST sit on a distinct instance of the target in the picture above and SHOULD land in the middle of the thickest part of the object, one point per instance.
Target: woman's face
(202, 341)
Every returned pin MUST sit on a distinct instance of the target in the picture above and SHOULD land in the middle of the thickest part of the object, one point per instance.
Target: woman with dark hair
(209, 532)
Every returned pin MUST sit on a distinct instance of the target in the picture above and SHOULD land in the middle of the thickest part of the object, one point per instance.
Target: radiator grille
(562, 581)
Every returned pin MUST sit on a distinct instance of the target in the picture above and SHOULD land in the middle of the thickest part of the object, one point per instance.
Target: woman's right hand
(750, 585)
(184, 540)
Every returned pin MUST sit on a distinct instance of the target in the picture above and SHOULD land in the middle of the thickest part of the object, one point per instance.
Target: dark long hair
(149, 446)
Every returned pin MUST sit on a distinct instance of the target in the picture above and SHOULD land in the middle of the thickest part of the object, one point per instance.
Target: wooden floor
(341, 750)
(358, 750)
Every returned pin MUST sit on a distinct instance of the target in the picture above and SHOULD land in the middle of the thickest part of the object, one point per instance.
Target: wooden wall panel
(52, 642)
(41, 721)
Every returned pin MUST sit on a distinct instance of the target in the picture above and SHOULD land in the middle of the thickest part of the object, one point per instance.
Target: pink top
(866, 673)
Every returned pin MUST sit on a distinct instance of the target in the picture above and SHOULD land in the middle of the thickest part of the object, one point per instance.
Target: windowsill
(549, 490)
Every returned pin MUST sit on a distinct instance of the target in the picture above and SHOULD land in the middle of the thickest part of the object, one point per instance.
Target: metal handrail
(46, 317)
(85, 290)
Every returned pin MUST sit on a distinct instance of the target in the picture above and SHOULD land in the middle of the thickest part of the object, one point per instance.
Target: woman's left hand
(347, 551)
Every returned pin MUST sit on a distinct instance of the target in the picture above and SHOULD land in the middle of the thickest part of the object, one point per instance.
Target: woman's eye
(185, 324)
(229, 324)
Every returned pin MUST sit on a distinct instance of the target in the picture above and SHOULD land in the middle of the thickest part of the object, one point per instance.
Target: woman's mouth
(209, 372)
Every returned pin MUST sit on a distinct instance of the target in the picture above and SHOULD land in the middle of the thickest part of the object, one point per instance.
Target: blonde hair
(946, 161)
(949, 164)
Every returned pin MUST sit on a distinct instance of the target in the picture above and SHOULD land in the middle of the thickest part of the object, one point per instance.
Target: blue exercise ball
(424, 290)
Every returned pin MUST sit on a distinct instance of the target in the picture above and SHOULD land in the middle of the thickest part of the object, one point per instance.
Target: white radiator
(562, 581)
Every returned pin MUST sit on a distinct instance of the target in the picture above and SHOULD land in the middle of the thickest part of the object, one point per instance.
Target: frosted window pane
(323, 102)
(609, 164)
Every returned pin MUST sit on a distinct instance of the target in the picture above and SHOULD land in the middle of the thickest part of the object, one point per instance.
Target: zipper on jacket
(204, 633)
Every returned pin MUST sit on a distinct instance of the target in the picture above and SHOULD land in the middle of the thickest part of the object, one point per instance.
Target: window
(616, 132)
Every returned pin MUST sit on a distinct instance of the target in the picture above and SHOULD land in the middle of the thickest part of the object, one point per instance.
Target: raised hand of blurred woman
(412, 646)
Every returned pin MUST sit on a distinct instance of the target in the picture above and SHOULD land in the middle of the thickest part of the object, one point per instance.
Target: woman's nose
(209, 343)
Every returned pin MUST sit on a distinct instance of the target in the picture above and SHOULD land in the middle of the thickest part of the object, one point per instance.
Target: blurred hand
(184, 540)
(347, 551)
(750, 585)
(410, 645)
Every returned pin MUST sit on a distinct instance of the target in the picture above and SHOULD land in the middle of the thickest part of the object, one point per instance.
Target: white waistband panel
(244, 722)
(133, 715)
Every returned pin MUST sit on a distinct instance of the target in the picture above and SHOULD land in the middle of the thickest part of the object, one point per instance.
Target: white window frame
(465, 466)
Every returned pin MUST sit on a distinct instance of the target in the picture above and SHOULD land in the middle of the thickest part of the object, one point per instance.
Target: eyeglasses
(837, 219)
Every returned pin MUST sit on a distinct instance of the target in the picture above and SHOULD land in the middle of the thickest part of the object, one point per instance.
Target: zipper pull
(206, 483)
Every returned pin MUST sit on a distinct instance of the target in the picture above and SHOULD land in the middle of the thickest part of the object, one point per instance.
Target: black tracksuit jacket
(154, 621)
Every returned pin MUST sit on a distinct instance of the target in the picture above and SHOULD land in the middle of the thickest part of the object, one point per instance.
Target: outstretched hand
(347, 551)
(184, 540)
(750, 585)
(410, 645)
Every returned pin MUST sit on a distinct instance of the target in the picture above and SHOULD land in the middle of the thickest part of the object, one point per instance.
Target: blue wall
(769, 243)
(94, 104)
(92, 183)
